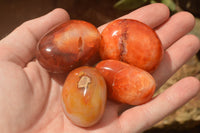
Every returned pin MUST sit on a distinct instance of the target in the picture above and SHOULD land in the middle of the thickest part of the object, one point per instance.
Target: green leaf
(129, 4)
(170, 4)
(153, 1)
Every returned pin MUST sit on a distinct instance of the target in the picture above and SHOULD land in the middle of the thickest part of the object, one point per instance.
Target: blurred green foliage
(192, 6)
(134, 4)
(170, 3)
(129, 4)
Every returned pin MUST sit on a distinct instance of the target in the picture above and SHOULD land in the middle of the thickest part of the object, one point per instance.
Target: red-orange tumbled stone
(84, 96)
(132, 42)
(69, 45)
(126, 83)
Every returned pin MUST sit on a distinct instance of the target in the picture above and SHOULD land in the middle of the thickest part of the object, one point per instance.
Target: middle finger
(176, 27)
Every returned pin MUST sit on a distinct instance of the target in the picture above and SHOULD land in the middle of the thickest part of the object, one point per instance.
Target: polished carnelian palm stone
(84, 96)
(69, 45)
(132, 42)
(127, 84)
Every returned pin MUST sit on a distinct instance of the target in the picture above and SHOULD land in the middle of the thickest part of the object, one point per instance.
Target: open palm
(30, 97)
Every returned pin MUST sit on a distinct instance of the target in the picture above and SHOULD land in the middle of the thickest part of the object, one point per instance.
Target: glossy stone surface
(69, 45)
(127, 84)
(132, 42)
(84, 96)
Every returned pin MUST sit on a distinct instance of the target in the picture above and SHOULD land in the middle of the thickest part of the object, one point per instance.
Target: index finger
(152, 15)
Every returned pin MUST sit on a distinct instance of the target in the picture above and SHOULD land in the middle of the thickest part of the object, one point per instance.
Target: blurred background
(184, 120)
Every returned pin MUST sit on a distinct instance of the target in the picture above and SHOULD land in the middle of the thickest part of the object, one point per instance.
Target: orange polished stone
(127, 84)
(69, 45)
(132, 42)
(84, 96)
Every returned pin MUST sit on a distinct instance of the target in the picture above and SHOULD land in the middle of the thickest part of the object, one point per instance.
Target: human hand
(30, 96)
